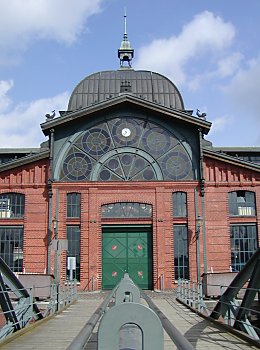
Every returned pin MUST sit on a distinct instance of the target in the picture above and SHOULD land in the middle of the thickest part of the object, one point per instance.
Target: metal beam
(16, 286)
(239, 281)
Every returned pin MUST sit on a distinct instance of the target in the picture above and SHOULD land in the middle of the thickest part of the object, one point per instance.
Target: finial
(125, 33)
(125, 53)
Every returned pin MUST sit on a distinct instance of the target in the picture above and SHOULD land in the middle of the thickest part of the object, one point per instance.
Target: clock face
(126, 132)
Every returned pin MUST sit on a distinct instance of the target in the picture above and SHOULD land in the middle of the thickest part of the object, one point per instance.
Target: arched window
(179, 204)
(127, 149)
(73, 205)
(11, 205)
(242, 203)
(73, 237)
(181, 255)
(126, 210)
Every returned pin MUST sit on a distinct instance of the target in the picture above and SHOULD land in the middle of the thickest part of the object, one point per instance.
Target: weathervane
(125, 53)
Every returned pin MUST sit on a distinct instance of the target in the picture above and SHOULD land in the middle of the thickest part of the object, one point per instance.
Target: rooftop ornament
(125, 53)
(50, 116)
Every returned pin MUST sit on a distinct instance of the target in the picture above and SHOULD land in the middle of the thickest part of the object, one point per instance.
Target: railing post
(200, 296)
(179, 289)
(194, 295)
(31, 299)
(189, 293)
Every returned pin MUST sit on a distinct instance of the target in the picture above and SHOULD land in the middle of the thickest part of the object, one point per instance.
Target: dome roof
(147, 85)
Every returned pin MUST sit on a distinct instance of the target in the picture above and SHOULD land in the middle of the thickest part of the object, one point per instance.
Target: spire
(125, 53)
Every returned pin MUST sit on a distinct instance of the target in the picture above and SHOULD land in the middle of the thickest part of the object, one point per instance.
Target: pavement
(59, 331)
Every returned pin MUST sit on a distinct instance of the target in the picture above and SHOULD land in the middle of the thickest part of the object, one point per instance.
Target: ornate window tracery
(126, 210)
(127, 149)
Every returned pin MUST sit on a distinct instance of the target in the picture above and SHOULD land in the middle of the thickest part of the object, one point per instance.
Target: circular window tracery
(77, 166)
(124, 149)
(96, 141)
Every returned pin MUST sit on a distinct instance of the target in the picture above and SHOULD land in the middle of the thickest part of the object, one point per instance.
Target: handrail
(179, 340)
(83, 336)
(22, 308)
(229, 307)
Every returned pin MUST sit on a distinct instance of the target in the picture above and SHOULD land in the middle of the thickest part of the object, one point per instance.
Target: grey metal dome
(104, 85)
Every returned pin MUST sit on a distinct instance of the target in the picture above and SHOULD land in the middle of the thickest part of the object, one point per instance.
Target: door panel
(127, 249)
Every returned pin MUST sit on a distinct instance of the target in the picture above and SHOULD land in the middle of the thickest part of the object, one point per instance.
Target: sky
(210, 49)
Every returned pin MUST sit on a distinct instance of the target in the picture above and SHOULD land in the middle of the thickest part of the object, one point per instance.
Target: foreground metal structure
(125, 323)
(18, 306)
(238, 304)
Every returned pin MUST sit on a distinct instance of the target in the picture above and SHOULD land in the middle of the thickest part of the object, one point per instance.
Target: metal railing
(235, 312)
(18, 312)
(123, 317)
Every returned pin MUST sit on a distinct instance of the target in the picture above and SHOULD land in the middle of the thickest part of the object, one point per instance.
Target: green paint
(127, 249)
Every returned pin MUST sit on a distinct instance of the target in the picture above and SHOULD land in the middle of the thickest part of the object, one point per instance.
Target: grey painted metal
(252, 290)
(197, 232)
(6, 305)
(127, 291)
(50, 201)
(16, 286)
(82, 338)
(239, 281)
(202, 191)
(230, 308)
(147, 85)
(25, 309)
(135, 314)
(179, 340)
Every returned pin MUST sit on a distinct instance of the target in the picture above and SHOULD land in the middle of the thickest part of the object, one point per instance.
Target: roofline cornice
(125, 97)
(231, 160)
(24, 160)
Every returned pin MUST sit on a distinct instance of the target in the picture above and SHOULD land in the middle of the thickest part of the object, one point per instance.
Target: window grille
(11, 205)
(126, 210)
(73, 205)
(181, 256)
(11, 238)
(243, 240)
(242, 203)
(73, 237)
(179, 204)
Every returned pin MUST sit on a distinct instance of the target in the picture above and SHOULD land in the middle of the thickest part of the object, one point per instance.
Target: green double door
(127, 249)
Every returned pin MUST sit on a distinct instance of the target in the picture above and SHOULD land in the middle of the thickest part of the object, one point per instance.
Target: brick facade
(31, 181)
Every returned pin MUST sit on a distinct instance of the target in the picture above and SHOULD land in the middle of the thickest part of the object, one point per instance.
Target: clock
(126, 132)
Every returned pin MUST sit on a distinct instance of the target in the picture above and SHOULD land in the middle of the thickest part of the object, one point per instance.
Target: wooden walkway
(58, 332)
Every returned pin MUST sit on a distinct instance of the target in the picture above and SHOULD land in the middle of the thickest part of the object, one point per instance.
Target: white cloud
(22, 123)
(220, 124)
(202, 41)
(243, 91)
(5, 101)
(229, 65)
(243, 95)
(25, 21)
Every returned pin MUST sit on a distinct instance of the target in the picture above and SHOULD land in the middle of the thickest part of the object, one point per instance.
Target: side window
(181, 256)
(179, 204)
(11, 205)
(242, 203)
(73, 237)
(11, 248)
(73, 205)
(243, 239)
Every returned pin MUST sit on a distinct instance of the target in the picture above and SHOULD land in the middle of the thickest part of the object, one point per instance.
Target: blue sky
(209, 48)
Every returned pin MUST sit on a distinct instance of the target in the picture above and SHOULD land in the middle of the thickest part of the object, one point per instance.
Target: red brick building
(129, 182)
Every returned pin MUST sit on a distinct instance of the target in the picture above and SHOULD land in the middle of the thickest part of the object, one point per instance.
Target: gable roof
(24, 160)
(231, 160)
(126, 98)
